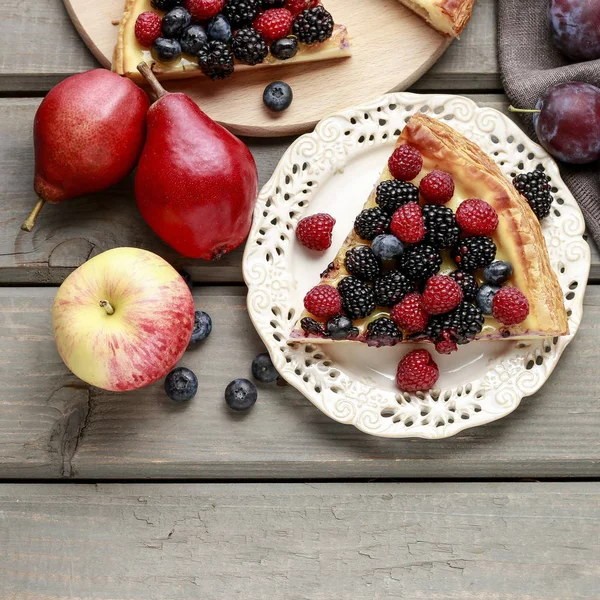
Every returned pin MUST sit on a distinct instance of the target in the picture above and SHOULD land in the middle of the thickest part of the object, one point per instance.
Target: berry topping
(165, 50)
(474, 252)
(313, 25)
(285, 48)
(340, 328)
(312, 327)
(147, 28)
(465, 322)
(467, 283)
(241, 394)
(405, 163)
(192, 39)
(383, 332)
(165, 4)
(485, 295)
(278, 96)
(391, 288)
(219, 29)
(263, 369)
(181, 384)
(392, 194)
(510, 306)
(241, 13)
(441, 295)
(421, 262)
(362, 263)
(323, 301)
(274, 24)
(202, 10)
(498, 272)
(407, 224)
(266, 4)
(202, 327)
(387, 247)
(175, 22)
(249, 47)
(215, 60)
(314, 232)
(446, 345)
(370, 223)
(437, 187)
(297, 6)
(417, 371)
(358, 299)
(441, 229)
(409, 314)
(536, 189)
(476, 217)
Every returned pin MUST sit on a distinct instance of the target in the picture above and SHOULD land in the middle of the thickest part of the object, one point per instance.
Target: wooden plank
(318, 541)
(68, 234)
(53, 426)
(40, 47)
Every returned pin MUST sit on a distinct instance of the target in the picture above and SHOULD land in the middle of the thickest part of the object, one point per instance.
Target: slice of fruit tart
(449, 17)
(185, 38)
(445, 250)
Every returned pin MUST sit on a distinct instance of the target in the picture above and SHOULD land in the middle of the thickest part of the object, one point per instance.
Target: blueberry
(192, 39)
(387, 247)
(181, 384)
(219, 29)
(278, 96)
(285, 48)
(498, 272)
(202, 327)
(485, 295)
(166, 50)
(263, 369)
(240, 394)
(340, 327)
(187, 278)
(175, 21)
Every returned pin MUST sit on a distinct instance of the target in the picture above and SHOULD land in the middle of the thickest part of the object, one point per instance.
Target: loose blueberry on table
(202, 327)
(263, 369)
(181, 384)
(241, 394)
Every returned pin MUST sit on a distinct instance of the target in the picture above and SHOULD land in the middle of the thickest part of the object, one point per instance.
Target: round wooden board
(391, 48)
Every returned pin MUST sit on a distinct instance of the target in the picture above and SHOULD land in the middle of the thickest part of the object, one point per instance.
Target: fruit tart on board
(445, 250)
(449, 17)
(186, 38)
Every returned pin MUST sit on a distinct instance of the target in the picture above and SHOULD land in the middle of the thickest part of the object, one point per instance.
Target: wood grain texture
(68, 234)
(318, 541)
(39, 47)
(53, 426)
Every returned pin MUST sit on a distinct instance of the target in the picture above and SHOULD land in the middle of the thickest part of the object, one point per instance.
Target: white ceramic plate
(333, 170)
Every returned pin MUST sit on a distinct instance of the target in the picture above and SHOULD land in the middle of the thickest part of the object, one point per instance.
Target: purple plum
(575, 27)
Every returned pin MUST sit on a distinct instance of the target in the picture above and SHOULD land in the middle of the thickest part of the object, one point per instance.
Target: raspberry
(417, 371)
(314, 232)
(297, 6)
(383, 332)
(441, 295)
(409, 314)
(405, 163)
(147, 28)
(476, 217)
(202, 10)
(274, 24)
(510, 306)
(323, 301)
(437, 187)
(407, 224)
(362, 263)
(446, 345)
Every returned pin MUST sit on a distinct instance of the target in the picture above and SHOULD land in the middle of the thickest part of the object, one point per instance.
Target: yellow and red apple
(123, 319)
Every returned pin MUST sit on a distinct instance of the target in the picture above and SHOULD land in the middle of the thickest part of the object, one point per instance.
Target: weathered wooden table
(281, 502)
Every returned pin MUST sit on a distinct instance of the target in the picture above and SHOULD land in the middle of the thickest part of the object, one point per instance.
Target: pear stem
(523, 110)
(29, 223)
(106, 305)
(149, 76)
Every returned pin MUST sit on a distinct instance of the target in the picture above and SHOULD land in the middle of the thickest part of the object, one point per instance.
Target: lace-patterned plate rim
(503, 374)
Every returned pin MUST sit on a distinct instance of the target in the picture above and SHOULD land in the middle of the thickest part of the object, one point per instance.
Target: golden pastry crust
(128, 53)
(449, 17)
(518, 238)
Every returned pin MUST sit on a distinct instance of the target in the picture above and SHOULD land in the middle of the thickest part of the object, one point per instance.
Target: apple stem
(149, 76)
(29, 223)
(523, 110)
(105, 304)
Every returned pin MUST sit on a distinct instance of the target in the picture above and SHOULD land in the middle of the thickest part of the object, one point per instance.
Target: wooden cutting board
(392, 47)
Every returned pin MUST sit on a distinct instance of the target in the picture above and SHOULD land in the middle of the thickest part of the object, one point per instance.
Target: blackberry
(241, 12)
(358, 299)
(362, 263)
(468, 284)
(474, 252)
(310, 326)
(249, 47)
(215, 60)
(313, 25)
(463, 323)
(536, 189)
(267, 4)
(391, 288)
(441, 229)
(383, 332)
(393, 194)
(371, 222)
(165, 5)
(420, 261)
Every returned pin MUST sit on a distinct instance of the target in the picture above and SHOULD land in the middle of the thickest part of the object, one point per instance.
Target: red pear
(196, 183)
(88, 134)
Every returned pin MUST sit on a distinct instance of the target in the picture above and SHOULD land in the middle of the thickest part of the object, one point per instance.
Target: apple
(123, 319)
